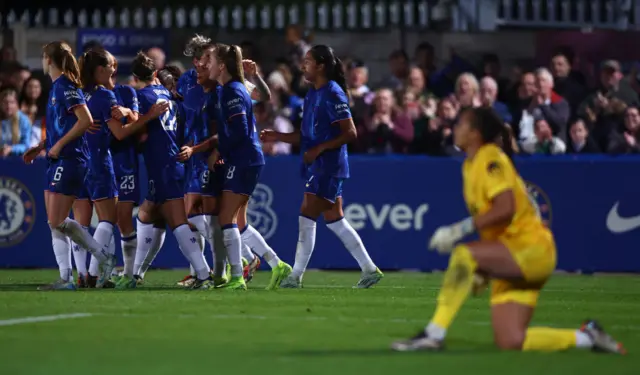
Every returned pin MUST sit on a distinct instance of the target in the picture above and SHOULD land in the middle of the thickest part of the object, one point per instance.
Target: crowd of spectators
(552, 109)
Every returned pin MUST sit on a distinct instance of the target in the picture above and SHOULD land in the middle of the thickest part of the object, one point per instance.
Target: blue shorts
(101, 180)
(325, 187)
(197, 175)
(166, 184)
(66, 176)
(84, 195)
(240, 180)
(125, 166)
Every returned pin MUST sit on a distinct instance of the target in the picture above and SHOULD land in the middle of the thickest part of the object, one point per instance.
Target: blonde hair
(473, 82)
(15, 119)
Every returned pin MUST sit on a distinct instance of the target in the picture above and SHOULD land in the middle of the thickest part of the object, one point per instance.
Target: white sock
(144, 240)
(189, 247)
(351, 240)
(583, 340)
(200, 241)
(62, 251)
(157, 240)
(93, 266)
(306, 243)
(104, 235)
(81, 236)
(129, 244)
(219, 249)
(246, 251)
(435, 331)
(233, 243)
(252, 238)
(80, 257)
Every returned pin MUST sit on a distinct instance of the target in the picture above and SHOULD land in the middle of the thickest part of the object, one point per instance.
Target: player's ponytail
(62, 57)
(492, 128)
(333, 67)
(89, 62)
(231, 57)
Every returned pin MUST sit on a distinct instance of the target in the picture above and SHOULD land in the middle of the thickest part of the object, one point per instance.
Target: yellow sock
(458, 280)
(543, 339)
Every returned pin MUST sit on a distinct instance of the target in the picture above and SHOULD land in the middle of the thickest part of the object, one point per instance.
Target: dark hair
(143, 67)
(92, 44)
(40, 102)
(89, 62)
(196, 46)
(333, 68)
(491, 127)
(62, 57)
(169, 75)
(231, 57)
(399, 53)
(566, 52)
(425, 46)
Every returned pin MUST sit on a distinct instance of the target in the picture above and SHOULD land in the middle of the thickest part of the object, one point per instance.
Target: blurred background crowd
(551, 108)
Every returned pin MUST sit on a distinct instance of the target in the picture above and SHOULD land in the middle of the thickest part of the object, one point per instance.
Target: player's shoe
(187, 281)
(139, 280)
(417, 343)
(369, 279)
(59, 285)
(278, 274)
(218, 281)
(602, 342)
(105, 268)
(291, 282)
(91, 281)
(250, 269)
(202, 284)
(83, 281)
(126, 283)
(236, 283)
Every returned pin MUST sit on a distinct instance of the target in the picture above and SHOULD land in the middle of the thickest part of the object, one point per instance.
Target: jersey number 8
(168, 119)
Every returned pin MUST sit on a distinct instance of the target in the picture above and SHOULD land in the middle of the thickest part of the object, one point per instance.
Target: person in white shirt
(544, 143)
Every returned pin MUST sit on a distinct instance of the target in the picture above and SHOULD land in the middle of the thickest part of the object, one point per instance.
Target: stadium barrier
(395, 203)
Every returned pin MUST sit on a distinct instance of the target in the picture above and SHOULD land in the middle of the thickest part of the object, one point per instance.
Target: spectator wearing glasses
(627, 141)
(15, 136)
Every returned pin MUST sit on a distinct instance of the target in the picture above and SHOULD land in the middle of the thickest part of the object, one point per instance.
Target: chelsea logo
(540, 201)
(259, 212)
(17, 211)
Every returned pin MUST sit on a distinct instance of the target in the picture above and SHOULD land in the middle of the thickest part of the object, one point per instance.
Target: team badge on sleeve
(494, 168)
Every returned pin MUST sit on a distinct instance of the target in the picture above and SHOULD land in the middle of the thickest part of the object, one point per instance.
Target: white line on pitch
(38, 319)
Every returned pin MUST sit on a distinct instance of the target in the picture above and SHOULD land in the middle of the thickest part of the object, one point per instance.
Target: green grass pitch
(326, 328)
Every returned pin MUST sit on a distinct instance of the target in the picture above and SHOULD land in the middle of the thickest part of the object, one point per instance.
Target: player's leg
(62, 252)
(336, 222)
(197, 223)
(253, 240)
(82, 213)
(218, 250)
(252, 260)
(149, 239)
(107, 215)
(230, 204)
(128, 236)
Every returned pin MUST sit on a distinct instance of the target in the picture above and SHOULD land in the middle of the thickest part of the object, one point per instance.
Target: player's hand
(119, 113)
(312, 154)
(269, 135)
(185, 153)
(31, 155)
(446, 237)
(250, 68)
(6, 150)
(54, 152)
(158, 109)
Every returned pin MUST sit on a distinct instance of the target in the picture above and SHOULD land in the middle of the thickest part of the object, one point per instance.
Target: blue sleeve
(182, 83)
(25, 135)
(234, 112)
(130, 98)
(337, 105)
(101, 111)
(72, 96)
(143, 103)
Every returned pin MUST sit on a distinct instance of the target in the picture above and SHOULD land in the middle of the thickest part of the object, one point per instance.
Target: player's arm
(270, 135)
(234, 111)
(121, 132)
(79, 128)
(340, 115)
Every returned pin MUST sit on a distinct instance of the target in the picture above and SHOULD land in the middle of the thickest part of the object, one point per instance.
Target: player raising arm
(327, 128)
(516, 250)
(67, 120)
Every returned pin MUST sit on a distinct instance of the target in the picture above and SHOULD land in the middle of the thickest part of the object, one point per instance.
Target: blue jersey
(128, 98)
(100, 101)
(161, 147)
(237, 135)
(323, 109)
(63, 97)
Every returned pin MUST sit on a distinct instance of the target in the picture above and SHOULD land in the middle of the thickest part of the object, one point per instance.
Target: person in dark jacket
(627, 141)
(579, 140)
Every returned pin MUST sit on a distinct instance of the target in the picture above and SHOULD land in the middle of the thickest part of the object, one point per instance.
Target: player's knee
(509, 340)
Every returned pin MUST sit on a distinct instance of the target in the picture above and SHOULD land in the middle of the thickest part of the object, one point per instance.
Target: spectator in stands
(249, 51)
(627, 141)
(565, 84)
(467, 91)
(399, 67)
(605, 108)
(284, 101)
(579, 140)
(31, 103)
(409, 103)
(8, 53)
(267, 118)
(547, 104)
(433, 135)
(298, 40)
(417, 84)
(491, 67)
(358, 79)
(158, 56)
(388, 130)
(488, 95)
(544, 143)
(15, 127)
(14, 74)
(425, 58)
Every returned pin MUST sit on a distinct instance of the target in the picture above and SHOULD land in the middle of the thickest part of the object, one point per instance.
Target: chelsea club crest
(540, 201)
(17, 211)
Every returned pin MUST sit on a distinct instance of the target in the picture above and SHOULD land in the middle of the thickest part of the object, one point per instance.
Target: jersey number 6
(168, 119)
